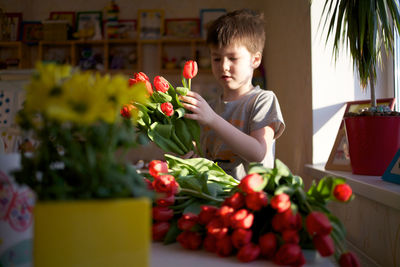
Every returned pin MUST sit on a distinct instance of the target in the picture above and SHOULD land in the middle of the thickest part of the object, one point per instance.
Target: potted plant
(366, 27)
(90, 209)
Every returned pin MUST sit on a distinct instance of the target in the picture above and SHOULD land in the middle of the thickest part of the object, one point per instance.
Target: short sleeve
(267, 112)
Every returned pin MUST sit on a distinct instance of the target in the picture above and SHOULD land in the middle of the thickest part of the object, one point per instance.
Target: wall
(287, 57)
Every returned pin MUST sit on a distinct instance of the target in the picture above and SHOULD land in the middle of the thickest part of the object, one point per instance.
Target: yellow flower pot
(92, 233)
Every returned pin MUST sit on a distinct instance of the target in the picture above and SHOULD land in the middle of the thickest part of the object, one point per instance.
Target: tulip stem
(200, 195)
(190, 82)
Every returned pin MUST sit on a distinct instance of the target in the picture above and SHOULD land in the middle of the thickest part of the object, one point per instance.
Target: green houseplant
(367, 27)
(87, 197)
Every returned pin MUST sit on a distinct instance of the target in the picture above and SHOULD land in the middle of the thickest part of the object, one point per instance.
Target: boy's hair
(244, 26)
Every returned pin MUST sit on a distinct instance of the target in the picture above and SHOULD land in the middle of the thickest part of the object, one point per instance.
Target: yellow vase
(92, 233)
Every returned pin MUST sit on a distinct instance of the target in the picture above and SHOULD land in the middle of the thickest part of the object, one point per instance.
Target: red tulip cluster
(166, 187)
(253, 222)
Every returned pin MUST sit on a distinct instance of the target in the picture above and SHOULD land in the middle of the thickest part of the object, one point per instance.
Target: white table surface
(174, 255)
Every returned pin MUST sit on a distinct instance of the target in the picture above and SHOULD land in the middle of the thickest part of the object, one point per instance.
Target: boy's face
(233, 66)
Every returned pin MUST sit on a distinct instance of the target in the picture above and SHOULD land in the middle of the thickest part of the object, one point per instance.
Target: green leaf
(172, 233)
(190, 182)
(283, 170)
(195, 208)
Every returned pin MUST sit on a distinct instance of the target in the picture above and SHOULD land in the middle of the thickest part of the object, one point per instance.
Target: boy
(241, 125)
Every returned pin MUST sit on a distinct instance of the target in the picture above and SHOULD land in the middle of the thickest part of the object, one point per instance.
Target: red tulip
(249, 252)
(268, 245)
(349, 259)
(241, 237)
(224, 246)
(162, 214)
(206, 214)
(235, 201)
(317, 223)
(147, 83)
(256, 200)
(242, 219)
(161, 84)
(225, 213)
(289, 254)
(190, 240)
(156, 167)
(166, 201)
(286, 221)
(190, 69)
(166, 184)
(342, 192)
(291, 236)
(209, 243)
(141, 76)
(324, 244)
(125, 111)
(251, 183)
(216, 228)
(167, 108)
(281, 202)
(187, 221)
(159, 230)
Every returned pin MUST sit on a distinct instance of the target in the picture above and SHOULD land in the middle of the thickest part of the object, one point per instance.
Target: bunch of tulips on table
(162, 118)
(268, 214)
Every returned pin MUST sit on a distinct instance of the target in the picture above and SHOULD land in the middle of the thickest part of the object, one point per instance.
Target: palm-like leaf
(365, 25)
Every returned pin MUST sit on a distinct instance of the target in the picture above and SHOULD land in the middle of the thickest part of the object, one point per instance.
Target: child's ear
(256, 60)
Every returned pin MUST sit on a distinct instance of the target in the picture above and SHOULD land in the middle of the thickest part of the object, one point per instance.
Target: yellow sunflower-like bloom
(80, 97)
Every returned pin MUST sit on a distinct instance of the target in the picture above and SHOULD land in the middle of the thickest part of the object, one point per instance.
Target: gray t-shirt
(255, 110)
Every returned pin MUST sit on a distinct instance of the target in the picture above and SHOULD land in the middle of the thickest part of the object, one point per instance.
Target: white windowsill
(372, 187)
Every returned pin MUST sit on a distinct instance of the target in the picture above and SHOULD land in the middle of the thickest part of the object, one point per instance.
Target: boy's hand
(201, 111)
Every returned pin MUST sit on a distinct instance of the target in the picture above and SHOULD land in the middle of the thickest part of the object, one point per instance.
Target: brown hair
(244, 26)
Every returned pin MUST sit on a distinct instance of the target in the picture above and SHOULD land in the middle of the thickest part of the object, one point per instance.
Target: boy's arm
(252, 148)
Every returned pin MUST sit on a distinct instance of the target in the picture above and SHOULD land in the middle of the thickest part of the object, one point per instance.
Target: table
(174, 255)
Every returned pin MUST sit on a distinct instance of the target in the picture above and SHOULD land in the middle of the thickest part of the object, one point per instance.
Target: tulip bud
(141, 76)
(209, 243)
(342, 192)
(166, 201)
(156, 167)
(251, 183)
(125, 112)
(249, 252)
(291, 236)
(288, 254)
(256, 200)
(268, 244)
(241, 237)
(324, 244)
(159, 230)
(318, 224)
(242, 219)
(225, 213)
(216, 228)
(190, 69)
(187, 221)
(281, 202)
(162, 213)
(235, 201)
(167, 108)
(224, 246)
(206, 214)
(166, 184)
(190, 240)
(161, 84)
(286, 221)
(349, 259)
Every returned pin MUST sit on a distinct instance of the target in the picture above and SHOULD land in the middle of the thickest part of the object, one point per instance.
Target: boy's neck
(232, 95)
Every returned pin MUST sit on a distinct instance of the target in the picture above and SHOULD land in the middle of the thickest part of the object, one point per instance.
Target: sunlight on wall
(333, 85)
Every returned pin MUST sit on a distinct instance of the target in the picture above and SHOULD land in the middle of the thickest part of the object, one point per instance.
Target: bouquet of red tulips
(162, 118)
(267, 215)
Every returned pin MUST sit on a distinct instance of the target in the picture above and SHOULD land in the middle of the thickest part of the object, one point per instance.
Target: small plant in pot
(367, 26)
